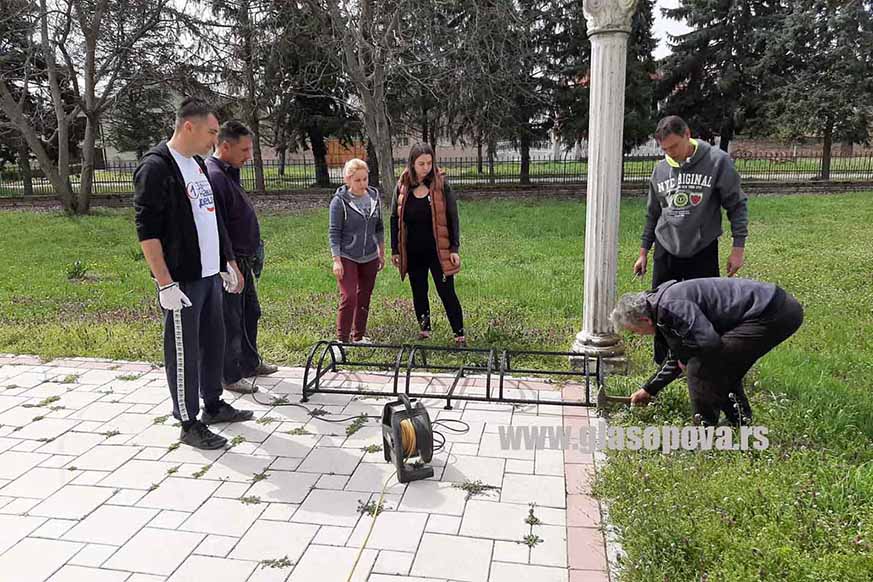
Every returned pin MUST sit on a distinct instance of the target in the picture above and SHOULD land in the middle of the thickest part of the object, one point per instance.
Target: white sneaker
(363, 340)
(242, 386)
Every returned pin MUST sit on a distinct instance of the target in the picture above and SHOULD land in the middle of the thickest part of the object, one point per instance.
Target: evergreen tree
(713, 76)
(821, 61)
(570, 63)
(140, 118)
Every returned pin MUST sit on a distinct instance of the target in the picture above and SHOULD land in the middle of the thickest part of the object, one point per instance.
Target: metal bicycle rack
(329, 356)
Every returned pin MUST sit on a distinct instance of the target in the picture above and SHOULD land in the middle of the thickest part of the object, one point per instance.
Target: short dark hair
(232, 130)
(670, 125)
(193, 107)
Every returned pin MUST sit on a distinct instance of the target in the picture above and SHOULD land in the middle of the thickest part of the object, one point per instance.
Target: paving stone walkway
(95, 488)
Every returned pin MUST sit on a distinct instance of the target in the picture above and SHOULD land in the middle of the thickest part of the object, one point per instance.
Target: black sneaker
(200, 437)
(227, 413)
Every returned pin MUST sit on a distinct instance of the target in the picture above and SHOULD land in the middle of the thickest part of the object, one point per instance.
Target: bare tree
(33, 70)
(409, 57)
(307, 93)
(238, 42)
(116, 37)
(99, 47)
(491, 76)
(368, 40)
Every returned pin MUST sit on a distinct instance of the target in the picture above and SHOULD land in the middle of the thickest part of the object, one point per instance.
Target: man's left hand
(233, 280)
(735, 261)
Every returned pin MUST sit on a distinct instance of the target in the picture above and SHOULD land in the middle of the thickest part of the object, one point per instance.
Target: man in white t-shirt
(185, 243)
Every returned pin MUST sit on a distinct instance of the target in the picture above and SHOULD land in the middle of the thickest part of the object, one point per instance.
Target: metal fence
(117, 177)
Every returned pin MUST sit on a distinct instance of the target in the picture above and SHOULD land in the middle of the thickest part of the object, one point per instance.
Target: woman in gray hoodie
(357, 243)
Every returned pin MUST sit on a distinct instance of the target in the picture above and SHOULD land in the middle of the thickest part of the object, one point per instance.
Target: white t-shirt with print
(203, 206)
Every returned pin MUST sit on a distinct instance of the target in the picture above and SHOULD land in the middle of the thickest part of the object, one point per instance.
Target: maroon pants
(356, 286)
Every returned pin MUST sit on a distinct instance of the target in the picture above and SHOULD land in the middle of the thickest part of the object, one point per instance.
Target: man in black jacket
(241, 310)
(185, 243)
(715, 329)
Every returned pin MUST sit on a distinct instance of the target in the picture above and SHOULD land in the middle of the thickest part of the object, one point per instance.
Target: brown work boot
(265, 369)
(241, 386)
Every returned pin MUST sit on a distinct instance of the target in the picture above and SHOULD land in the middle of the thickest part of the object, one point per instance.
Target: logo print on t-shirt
(680, 200)
(696, 198)
(203, 193)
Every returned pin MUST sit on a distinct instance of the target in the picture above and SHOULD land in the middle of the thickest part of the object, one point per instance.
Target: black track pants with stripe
(194, 348)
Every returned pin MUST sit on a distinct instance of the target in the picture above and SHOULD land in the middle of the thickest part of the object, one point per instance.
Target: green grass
(801, 510)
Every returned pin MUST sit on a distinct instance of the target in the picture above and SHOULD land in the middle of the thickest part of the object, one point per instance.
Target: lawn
(800, 510)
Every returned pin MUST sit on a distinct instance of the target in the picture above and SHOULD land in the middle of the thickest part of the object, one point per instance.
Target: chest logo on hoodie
(680, 200)
(684, 199)
(685, 181)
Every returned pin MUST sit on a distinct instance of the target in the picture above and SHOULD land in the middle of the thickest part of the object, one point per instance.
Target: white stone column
(609, 24)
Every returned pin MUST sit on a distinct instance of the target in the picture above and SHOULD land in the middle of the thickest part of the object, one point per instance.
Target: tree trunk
(279, 140)
(24, 167)
(424, 126)
(372, 163)
(524, 146)
(247, 30)
(379, 133)
(86, 181)
(89, 106)
(826, 146)
(59, 175)
(492, 152)
(385, 156)
(433, 133)
(257, 156)
(479, 154)
(726, 134)
(319, 152)
(58, 178)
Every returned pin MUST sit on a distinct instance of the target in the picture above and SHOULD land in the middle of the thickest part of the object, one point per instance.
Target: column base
(608, 347)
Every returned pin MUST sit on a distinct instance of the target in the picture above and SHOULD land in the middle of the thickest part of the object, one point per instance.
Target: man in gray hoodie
(687, 192)
(715, 329)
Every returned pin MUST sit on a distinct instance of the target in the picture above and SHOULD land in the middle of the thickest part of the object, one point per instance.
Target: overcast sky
(663, 26)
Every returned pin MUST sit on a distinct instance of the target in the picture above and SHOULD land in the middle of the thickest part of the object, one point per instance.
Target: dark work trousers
(241, 314)
(194, 349)
(667, 267)
(417, 266)
(713, 378)
(356, 288)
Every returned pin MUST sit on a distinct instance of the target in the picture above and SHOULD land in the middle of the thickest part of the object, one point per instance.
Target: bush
(77, 271)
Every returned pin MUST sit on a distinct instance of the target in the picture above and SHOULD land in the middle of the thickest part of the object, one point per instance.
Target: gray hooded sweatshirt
(685, 202)
(355, 234)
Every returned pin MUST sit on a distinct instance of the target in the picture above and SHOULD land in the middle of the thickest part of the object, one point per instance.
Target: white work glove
(229, 280)
(172, 298)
